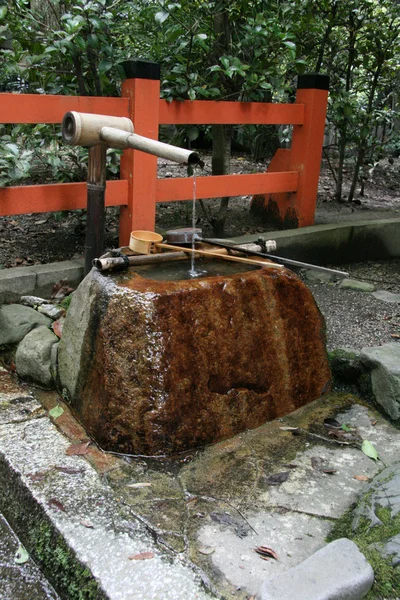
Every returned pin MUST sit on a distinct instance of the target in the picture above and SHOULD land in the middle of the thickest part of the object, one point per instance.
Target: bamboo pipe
(85, 129)
(117, 138)
(121, 262)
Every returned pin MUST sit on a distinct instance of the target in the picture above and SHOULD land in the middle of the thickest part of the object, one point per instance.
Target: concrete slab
(334, 244)
(38, 279)
(294, 537)
(99, 532)
(200, 514)
(329, 495)
(337, 572)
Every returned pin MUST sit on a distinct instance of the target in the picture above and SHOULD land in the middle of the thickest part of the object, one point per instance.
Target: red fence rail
(291, 183)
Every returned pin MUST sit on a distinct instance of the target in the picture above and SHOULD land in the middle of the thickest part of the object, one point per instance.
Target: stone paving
(197, 517)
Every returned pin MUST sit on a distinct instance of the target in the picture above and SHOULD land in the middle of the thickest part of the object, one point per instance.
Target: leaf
(70, 471)
(57, 327)
(86, 524)
(206, 550)
(277, 478)
(265, 551)
(138, 485)
(56, 412)
(161, 16)
(38, 476)
(369, 450)
(288, 428)
(361, 477)
(319, 464)
(142, 556)
(54, 503)
(345, 427)
(78, 449)
(21, 555)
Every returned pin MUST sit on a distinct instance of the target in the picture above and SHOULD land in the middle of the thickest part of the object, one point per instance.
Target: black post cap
(141, 69)
(313, 81)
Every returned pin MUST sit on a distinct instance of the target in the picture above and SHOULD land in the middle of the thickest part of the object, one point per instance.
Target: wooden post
(142, 87)
(307, 141)
(95, 217)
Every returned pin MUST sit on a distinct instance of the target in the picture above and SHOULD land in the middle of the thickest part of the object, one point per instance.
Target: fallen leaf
(345, 427)
(319, 464)
(138, 485)
(58, 327)
(206, 550)
(395, 336)
(142, 556)
(277, 478)
(78, 449)
(21, 555)
(267, 552)
(70, 471)
(39, 476)
(56, 412)
(54, 503)
(369, 450)
(361, 477)
(86, 524)
(290, 466)
(374, 423)
(288, 428)
(41, 222)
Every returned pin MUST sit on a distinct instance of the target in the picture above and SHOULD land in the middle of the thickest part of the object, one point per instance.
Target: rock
(359, 286)
(384, 492)
(33, 356)
(17, 320)
(320, 276)
(384, 363)
(386, 296)
(345, 364)
(162, 366)
(51, 311)
(32, 301)
(392, 549)
(339, 571)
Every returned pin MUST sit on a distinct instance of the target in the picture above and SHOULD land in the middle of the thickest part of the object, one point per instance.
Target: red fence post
(142, 87)
(307, 141)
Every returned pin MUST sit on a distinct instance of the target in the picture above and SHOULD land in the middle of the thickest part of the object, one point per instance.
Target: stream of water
(193, 271)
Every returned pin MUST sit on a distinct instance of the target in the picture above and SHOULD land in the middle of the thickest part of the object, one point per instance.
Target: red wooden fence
(138, 190)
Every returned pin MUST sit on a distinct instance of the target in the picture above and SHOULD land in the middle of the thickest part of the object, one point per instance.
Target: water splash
(193, 272)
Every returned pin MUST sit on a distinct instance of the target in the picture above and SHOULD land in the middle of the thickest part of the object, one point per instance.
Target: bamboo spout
(116, 138)
(84, 129)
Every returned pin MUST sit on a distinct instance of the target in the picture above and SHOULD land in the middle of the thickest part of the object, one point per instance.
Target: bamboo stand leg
(95, 218)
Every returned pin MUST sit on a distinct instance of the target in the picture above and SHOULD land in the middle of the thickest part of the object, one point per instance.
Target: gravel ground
(357, 319)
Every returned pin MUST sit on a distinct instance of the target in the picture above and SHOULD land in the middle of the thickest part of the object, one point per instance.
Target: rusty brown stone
(163, 367)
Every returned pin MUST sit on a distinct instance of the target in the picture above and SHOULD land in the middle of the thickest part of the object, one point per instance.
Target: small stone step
(336, 572)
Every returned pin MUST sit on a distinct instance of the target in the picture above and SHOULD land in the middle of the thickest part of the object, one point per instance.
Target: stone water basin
(156, 367)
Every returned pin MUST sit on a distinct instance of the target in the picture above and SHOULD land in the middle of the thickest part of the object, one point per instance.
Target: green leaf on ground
(21, 555)
(56, 412)
(369, 450)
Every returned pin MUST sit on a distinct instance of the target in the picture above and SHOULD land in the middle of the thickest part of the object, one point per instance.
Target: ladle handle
(249, 261)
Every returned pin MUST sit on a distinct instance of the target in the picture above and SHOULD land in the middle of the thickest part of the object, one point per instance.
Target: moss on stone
(369, 539)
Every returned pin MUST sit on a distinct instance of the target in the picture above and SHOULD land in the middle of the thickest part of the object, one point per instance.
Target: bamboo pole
(95, 218)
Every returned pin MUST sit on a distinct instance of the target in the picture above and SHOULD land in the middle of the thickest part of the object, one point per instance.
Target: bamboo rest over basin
(149, 242)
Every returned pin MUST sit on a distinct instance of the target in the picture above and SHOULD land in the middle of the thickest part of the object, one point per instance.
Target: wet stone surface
(19, 581)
